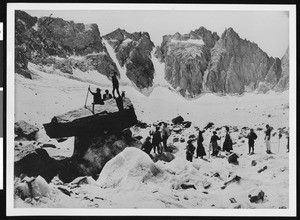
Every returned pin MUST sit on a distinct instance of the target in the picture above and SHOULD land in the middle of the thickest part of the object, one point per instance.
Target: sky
(269, 29)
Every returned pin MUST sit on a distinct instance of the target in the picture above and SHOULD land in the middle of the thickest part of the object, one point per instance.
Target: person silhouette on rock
(115, 83)
(107, 95)
(97, 98)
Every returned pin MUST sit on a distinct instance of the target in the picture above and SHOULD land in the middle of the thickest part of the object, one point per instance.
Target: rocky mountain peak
(50, 41)
(133, 51)
(230, 33)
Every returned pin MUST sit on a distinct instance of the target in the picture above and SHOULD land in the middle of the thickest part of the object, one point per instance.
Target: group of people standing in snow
(227, 144)
(98, 100)
(159, 137)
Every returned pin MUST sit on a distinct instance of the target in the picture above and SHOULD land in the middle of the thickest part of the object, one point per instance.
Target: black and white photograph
(185, 109)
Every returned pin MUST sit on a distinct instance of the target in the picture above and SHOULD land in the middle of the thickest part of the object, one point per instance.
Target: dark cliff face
(236, 63)
(220, 65)
(65, 45)
(134, 52)
(283, 83)
(186, 58)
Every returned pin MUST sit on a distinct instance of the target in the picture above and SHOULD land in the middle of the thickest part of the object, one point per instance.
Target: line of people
(227, 144)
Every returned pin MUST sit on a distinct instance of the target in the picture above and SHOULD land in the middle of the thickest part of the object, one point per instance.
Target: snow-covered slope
(38, 100)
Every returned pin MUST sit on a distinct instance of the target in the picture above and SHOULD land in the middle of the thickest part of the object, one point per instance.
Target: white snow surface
(127, 181)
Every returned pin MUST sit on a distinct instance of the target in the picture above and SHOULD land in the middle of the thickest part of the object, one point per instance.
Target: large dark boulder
(177, 120)
(83, 121)
(38, 163)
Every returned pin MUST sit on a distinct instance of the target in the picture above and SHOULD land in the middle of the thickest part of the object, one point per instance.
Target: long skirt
(200, 150)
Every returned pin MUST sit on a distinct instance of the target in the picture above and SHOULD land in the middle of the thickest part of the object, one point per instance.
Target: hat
(214, 132)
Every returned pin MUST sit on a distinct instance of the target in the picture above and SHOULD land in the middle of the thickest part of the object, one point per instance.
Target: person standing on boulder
(267, 138)
(227, 145)
(115, 83)
(147, 146)
(200, 148)
(97, 98)
(214, 142)
(251, 138)
(165, 133)
(156, 141)
(190, 149)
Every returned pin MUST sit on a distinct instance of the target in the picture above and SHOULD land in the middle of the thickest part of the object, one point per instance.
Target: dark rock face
(25, 130)
(64, 45)
(38, 163)
(283, 83)
(221, 65)
(186, 58)
(238, 65)
(134, 52)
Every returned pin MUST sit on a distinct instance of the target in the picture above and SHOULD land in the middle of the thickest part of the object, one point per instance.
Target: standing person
(200, 148)
(165, 133)
(288, 143)
(251, 138)
(115, 83)
(147, 146)
(190, 149)
(107, 95)
(97, 97)
(214, 143)
(267, 138)
(156, 140)
(227, 145)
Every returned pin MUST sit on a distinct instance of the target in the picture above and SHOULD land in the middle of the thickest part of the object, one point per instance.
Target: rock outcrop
(26, 131)
(98, 138)
(186, 58)
(237, 65)
(133, 51)
(202, 62)
(62, 45)
(283, 83)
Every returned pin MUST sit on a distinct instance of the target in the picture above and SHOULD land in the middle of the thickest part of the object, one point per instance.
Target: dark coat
(115, 81)
(200, 148)
(97, 98)
(147, 147)
(251, 137)
(156, 138)
(227, 145)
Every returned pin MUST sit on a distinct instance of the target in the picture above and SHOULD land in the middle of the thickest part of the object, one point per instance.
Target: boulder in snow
(129, 168)
(25, 130)
(175, 139)
(253, 163)
(177, 120)
(232, 158)
(165, 156)
(33, 188)
(209, 125)
(187, 124)
(256, 195)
